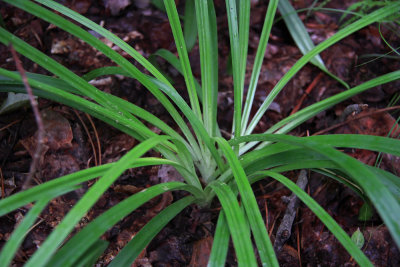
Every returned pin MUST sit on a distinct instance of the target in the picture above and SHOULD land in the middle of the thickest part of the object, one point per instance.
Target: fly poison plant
(212, 166)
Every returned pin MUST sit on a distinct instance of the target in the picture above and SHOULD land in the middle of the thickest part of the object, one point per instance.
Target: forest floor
(75, 141)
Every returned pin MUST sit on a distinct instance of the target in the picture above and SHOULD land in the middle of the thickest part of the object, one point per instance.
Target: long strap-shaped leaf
(127, 125)
(183, 55)
(239, 38)
(214, 66)
(102, 31)
(132, 108)
(118, 121)
(301, 37)
(198, 127)
(369, 142)
(300, 158)
(221, 242)
(285, 155)
(50, 64)
(260, 234)
(174, 61)
(75, 80)
(130, 252)
(189, 25)
(387, 206)
(208, 68)
(119, 59)
(244, 24)
(47, 249)
(236, 65)
(92, 254)
(142, 113)
(268, 21)
(303, 115)
(374, 143)
(78, 244)
(328, 221)
(10, 248)
(237, 223)
(63, 184)
(371, 18)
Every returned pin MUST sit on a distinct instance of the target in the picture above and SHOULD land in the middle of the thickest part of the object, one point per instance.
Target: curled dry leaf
(58, 133)
(117, 145)
(201, 252)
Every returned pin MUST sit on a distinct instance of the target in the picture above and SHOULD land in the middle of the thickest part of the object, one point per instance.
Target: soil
(75, 141)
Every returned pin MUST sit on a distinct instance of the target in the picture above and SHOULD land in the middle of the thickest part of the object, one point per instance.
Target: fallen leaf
(201, 252)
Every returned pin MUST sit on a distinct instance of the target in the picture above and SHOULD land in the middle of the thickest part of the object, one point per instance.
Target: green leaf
(368, 19)
(89, 258)
(244, 29)
(301, 116)
(197, 125)
(130, 126)
(77, 31)
(75, 80)
(330, 223)
(237, 224)
(220, 245)
(255, 74)
(47, 249)
(236, 65)
(81, 242)
(127, 125)
(183, 55)
(209, 62)
(358, 238)
(68, 183)
(158, 4)
(384, 201)
(301, 37)
(11, 247)
(139, 242)
(14, 102)
(189, 25)
(260, 234)
(365, 213)
(174, 61)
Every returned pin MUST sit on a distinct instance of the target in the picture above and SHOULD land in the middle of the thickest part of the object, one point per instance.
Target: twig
(9, 125)
(307, 92)
(89, 137)
(356, 118)
(38, 118)
(285, 228)
(96, 135)
(298, 242)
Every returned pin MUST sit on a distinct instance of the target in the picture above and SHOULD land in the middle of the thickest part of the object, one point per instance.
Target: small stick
(38, 118)
(307, 92)
(9, 125)
(285, 228)
(89, 137)
(96, 135)
(357, 117)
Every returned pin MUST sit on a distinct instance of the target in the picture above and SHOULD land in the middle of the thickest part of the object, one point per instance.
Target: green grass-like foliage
(211, 165)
